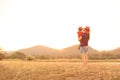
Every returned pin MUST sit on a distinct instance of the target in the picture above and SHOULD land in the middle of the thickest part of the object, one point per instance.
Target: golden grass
(33, 70)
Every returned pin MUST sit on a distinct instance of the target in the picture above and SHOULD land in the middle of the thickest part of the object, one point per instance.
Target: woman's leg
(86, 58)
(82, 57)
(85, 55)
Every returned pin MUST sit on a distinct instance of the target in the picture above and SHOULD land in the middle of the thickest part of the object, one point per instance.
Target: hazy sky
(54, 23)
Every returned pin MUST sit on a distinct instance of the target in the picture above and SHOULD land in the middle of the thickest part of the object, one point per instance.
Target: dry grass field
(56, 70)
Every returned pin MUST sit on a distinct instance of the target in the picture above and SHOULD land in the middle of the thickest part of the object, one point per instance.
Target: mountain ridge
(69, 52)
(47, 50)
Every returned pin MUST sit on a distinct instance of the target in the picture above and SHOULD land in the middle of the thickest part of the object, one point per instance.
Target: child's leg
(79, 46)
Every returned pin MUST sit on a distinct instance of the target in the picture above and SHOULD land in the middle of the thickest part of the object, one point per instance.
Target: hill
(69, 52)
(39, 50)
(73, 51)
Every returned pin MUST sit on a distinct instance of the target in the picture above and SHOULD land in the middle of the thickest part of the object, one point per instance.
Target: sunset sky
(54, 23)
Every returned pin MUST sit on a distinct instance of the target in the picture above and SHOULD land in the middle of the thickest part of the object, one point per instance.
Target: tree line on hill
(41, 52)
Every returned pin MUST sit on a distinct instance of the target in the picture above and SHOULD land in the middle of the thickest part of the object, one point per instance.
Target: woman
(84, 44)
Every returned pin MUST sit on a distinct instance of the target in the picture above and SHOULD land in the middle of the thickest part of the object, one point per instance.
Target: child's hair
(80, 28)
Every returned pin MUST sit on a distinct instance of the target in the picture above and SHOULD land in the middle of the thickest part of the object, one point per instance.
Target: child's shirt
(79, 33)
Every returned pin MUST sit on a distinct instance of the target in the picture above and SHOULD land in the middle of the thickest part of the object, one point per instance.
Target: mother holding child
(83, 38)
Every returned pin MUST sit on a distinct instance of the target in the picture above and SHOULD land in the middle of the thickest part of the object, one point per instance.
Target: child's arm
(79, 38)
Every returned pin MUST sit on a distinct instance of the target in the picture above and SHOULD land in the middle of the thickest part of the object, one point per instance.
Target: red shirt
(79, 33)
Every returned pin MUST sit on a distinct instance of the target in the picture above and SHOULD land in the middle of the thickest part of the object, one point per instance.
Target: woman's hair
(87, 29)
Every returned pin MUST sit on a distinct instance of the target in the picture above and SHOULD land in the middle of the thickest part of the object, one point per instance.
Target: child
(79, 34)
